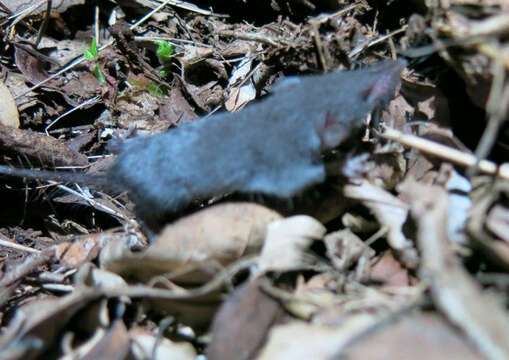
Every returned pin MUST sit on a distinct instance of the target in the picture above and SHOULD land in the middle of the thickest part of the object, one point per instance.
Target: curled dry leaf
(429, 102)
(498, 222)
(196, 246)
(112, 344)
(9, 115)
(287, 242)
(89, 275)
(390, 212)
(36, 324)
(241, 94)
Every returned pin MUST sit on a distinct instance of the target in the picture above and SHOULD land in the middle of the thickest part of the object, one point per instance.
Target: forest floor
(401, 253)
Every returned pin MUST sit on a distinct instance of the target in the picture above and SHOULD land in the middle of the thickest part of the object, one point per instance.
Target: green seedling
(92, 53)
(164, 51)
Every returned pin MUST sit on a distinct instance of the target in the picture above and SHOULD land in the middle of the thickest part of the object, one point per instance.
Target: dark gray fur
(271, 147)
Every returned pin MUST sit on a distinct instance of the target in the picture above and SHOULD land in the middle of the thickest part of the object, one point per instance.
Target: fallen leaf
(241, 324)
(9, 115)
(287, 243)
(196, 247)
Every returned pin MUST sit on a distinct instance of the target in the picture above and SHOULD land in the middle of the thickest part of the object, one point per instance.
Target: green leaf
(99, 74)
(93, 47)
(164, 51)
(91, 52)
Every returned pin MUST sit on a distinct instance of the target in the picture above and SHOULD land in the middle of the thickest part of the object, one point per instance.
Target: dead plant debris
(403, 253)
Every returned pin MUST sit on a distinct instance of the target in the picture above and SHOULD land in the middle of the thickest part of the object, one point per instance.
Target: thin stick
(44, 24)
(445, 152)
(12, 245)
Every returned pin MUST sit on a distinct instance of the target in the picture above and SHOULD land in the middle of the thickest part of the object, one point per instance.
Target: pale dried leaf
(387, 209)
(9, 115)
(287, 242)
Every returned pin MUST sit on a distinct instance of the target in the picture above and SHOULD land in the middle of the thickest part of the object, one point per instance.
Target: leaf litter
(402, 253)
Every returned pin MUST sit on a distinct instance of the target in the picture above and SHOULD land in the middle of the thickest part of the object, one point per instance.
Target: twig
(149, 14)
(44, 24)
(445, 152)
(27, 267)
(497, 109)
(319, 48)
(373, 42)
(13, 245)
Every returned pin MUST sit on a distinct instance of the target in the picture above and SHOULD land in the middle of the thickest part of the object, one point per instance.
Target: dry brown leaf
(241, 324)
(196, 246)
(84, 249)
